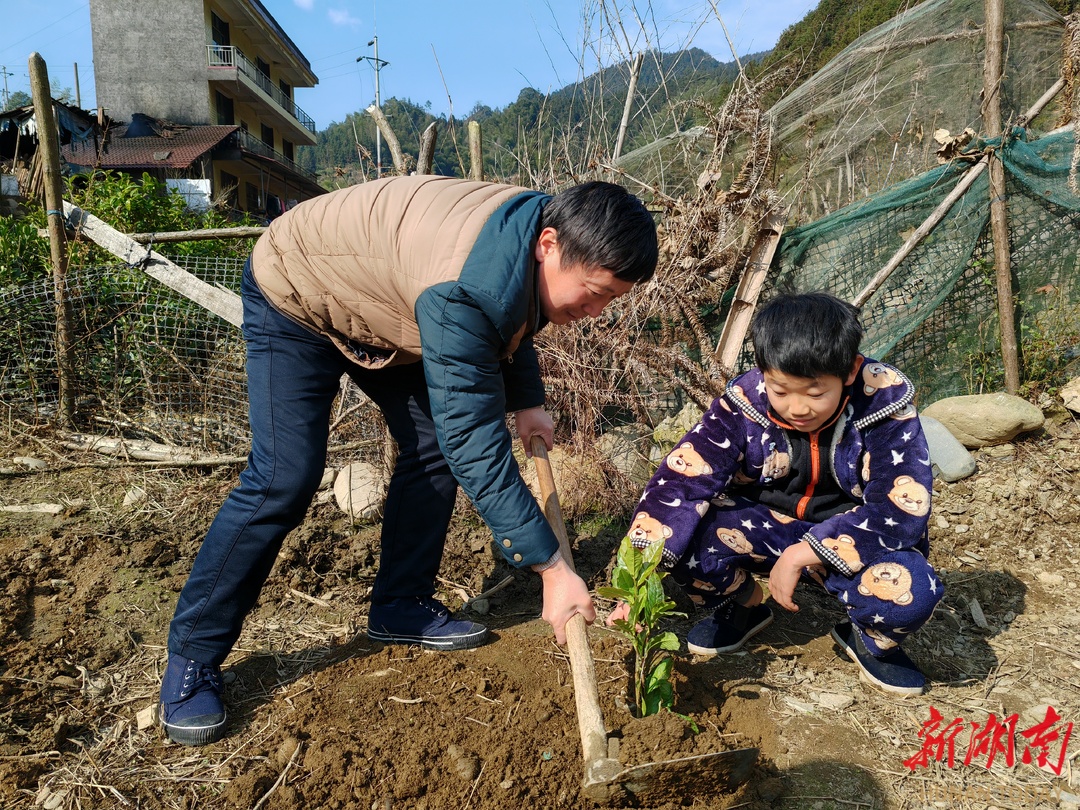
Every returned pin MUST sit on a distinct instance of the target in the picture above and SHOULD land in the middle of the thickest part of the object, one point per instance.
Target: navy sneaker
(893, 672)
(423, 620)
(730, 626)
(191, 710)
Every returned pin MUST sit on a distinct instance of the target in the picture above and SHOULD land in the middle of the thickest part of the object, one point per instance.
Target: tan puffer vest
(351, 264)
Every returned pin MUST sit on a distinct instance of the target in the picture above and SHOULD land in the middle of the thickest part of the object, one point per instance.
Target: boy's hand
(786, 572)
(565, 593)
(621, 611)
(534, 422)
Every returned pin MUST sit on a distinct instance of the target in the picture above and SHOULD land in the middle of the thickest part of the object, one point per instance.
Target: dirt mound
(322, 717)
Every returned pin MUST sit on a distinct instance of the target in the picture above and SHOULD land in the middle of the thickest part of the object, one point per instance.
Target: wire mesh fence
(937, 315)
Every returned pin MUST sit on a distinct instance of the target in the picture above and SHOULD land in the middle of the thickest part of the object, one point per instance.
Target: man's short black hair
(604, 225)
(807, 335)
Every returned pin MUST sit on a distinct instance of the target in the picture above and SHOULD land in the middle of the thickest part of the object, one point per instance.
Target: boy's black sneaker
(730, 626)
(893, 672)
(191, 710)
(423, 620)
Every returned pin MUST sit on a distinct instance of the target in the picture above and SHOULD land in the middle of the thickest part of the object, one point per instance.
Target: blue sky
(451, 54)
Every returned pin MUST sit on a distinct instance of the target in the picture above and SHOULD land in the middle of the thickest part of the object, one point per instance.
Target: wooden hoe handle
(599, 768)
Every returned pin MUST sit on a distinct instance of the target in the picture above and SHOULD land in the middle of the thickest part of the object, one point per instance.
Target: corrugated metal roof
(177, 149)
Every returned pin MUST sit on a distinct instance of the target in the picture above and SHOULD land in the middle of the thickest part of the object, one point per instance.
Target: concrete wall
(150, 57)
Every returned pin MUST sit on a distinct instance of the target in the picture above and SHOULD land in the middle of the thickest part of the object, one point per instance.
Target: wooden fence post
(476, 152)
(49, 144)
(426, 157)
(994, 29)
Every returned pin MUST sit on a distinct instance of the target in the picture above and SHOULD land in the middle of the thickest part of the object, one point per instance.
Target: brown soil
(321, 717)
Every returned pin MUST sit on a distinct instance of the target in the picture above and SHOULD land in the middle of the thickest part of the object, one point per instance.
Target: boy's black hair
(807, 335)
(604, 225)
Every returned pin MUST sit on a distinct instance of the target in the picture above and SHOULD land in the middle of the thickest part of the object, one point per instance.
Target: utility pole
(379, 64)
(5, 72)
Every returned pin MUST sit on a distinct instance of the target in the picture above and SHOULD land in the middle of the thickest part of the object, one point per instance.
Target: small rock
(147, 717)
(31, 462)
(942, 523)
(977, 614)
(949, 458)
(328, 477)
(359, 490)
(1070, 395)
(981, 420)
(481, 606)
(962, 529)
(465, 765)
(799, 705)
(834, 701)
(1046, 578)
(134, 497)
(506, 784)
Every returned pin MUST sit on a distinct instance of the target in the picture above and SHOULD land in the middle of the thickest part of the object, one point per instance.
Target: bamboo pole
(159, 237)
(476, 151)
(49, 145)
(746, 295)
(939, 213)
(999, 215)
(635, 72)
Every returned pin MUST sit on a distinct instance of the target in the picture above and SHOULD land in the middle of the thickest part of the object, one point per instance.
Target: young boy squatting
(812, 464)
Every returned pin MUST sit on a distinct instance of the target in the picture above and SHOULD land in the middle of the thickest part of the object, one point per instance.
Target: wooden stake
(426, 158)
(223, 303)
(999, 221)
(49, 145)
(476, 151)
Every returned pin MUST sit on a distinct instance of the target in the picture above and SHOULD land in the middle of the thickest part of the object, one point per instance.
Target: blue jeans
(293, 376)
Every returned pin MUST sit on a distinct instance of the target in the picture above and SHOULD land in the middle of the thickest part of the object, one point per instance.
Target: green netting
(936, 314)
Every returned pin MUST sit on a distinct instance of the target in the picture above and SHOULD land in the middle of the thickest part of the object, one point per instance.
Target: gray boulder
(981, 420)
(950, 459)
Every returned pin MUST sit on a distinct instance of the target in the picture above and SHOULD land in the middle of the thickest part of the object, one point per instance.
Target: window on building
(219, 30)
(268, 135)
(264, 67)
(288, 149)
(286, 89)
(229, 184)
(226, 111)
(252, 200)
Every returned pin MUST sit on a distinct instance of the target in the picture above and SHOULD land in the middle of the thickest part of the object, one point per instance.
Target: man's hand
(786, 572)
(534, 422)
(565, 594)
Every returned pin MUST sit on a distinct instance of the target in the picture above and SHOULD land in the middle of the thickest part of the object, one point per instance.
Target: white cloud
(341, 17)
(306, 5)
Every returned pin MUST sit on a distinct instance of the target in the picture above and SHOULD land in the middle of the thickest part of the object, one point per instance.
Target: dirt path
(321, 717)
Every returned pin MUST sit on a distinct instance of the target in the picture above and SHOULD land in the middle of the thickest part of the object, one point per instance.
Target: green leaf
(622, 594)
(669, 641)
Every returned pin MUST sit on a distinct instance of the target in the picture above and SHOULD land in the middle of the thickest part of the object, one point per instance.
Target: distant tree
(17, 99)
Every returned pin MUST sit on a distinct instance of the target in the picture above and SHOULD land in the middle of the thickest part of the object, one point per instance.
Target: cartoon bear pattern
(887, 600)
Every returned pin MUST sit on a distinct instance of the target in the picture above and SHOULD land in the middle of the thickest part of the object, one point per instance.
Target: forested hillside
(577, 125)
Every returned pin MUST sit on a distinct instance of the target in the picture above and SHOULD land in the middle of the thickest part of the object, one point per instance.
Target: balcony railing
(227, 56)
(250, 143)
